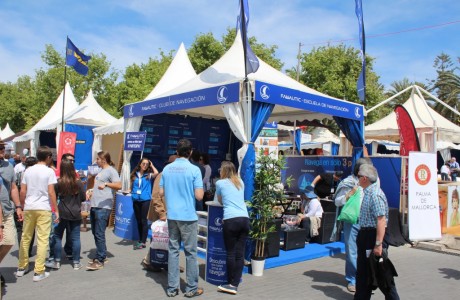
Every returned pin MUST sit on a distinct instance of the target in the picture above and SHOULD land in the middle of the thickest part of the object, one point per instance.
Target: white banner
(424, 221)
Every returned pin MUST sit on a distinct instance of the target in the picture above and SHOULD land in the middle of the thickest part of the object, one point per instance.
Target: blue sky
(131, 31)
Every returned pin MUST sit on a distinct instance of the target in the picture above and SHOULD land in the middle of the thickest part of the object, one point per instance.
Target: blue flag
(76, 59)
(361, 84)
(251, 61)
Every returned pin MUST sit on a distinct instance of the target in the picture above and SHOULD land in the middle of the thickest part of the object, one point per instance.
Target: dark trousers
(141, 209)
(305, 224)
(366, 241)
(236, 231)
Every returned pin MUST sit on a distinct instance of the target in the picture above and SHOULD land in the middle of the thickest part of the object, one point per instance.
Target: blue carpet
(311, 251)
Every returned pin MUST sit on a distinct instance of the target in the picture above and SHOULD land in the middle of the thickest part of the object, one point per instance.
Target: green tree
(446, 85)
(334, 70)
(205, 51)
(139, 80)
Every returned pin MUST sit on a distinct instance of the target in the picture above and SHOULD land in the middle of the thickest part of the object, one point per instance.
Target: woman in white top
(312, 211)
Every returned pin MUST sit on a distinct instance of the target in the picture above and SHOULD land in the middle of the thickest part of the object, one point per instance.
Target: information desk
(125, 220)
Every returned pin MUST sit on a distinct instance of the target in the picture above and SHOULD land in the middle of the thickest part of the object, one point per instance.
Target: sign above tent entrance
(270, 93)
(222, 94)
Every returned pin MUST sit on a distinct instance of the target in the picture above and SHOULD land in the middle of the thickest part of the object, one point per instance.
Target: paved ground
(422, 275)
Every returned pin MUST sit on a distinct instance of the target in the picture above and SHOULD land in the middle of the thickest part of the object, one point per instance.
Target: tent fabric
(353, 130)
(323, 135)
(54, 114)
(6, 132)
(424, 118)
(179, 71)
(89, 113)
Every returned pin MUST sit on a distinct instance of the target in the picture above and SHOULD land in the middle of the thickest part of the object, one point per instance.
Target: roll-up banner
(424, 220)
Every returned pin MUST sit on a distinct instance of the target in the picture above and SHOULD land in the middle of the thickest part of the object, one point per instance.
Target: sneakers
(195, 293)
(227, 288)
(351, 288)
(56, 265)
(172, 293)
(95, 265)
(138, 246)
(21, 272)
(77, 266)
(94, 259)
(38, 277)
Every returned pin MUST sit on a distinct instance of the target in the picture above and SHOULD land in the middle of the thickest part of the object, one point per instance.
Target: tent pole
(388, 100)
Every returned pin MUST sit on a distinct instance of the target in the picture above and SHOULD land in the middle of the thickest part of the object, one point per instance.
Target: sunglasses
(2, 147)
(145, 164)
(359, 176)
(71, 160)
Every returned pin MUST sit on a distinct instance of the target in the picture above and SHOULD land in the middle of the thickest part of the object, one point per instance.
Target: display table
(125, 220)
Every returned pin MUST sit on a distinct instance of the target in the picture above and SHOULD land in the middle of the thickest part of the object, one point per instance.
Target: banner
(216, 255)
(83, 145)
(125, 220)
(423, 206)
(361, 84)
(135, 141)
(407, 134)
(66, 145)
(274, 94)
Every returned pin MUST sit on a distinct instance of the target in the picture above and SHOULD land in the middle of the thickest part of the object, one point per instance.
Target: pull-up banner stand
(135, 141)
(424, 222)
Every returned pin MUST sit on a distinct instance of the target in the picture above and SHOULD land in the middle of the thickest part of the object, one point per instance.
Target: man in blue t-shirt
(180, 184)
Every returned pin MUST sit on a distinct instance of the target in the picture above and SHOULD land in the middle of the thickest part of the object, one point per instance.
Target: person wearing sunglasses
(141, 194)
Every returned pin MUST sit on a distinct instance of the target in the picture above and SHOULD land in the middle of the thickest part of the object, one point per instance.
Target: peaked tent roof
(89, 113)
(230, 69)
(179, 71)
(6, 132)
(423, 117)
(323, 135)
(53, 115)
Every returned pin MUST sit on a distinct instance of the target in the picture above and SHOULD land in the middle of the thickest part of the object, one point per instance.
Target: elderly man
(372, 221)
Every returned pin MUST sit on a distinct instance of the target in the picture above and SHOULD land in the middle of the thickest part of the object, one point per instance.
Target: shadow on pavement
(450, 273)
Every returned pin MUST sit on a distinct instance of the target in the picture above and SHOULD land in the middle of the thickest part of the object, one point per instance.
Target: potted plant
(267, 190)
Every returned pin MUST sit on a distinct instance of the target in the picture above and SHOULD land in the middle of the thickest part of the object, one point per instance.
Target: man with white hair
(373, 222)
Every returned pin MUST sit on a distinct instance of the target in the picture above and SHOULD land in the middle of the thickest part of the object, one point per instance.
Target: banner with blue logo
(83, 145)
(135, 141)
(270, 93)
(223, 94)
(216, 255)
(125, 220)
(304, 169)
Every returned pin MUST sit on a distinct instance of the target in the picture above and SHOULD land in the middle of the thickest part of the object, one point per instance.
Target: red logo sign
(422, 174)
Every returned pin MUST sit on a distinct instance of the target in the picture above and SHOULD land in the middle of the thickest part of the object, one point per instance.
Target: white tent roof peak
(179, 71)
(425, 119)
(53, 115)
(89, 113)
(6, 132)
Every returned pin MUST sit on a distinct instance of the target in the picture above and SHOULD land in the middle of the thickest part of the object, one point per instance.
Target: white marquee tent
(6, 132)
(294, 101)
(30, 139)
(179, 71)
(431, 127)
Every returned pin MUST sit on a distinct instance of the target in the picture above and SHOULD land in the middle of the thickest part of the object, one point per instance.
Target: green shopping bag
(350, 211)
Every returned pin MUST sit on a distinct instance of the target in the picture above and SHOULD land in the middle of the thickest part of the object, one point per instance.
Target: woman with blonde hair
(230, 193)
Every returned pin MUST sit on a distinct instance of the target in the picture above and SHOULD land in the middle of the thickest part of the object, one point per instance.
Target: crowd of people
(171, 196)
(449, 171)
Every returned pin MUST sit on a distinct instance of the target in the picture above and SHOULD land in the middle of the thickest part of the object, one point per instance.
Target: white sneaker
(53, 265)
(38, 277)
(21, 272)
(77, 266)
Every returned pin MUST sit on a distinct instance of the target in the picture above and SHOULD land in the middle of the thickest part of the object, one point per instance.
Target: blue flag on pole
(251, 61)
(361, 84)
(76, 59)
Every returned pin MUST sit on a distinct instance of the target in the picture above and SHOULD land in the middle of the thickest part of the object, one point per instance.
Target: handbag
(350, 211)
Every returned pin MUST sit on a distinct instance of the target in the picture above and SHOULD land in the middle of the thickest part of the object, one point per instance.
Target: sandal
(195, 293)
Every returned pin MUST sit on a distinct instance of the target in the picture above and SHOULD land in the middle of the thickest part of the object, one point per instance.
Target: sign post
(135, 141)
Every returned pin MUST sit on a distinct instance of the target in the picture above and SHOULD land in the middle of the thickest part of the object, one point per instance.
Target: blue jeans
(99, 220)
(350, 232)
(186, 232)
(73, 230)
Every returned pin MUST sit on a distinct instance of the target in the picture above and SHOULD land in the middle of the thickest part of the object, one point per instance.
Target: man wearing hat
(9, 199)
(311, 213)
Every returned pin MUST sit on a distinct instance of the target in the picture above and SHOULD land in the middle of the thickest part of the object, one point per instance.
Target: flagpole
(244, 38)
(65, 82)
